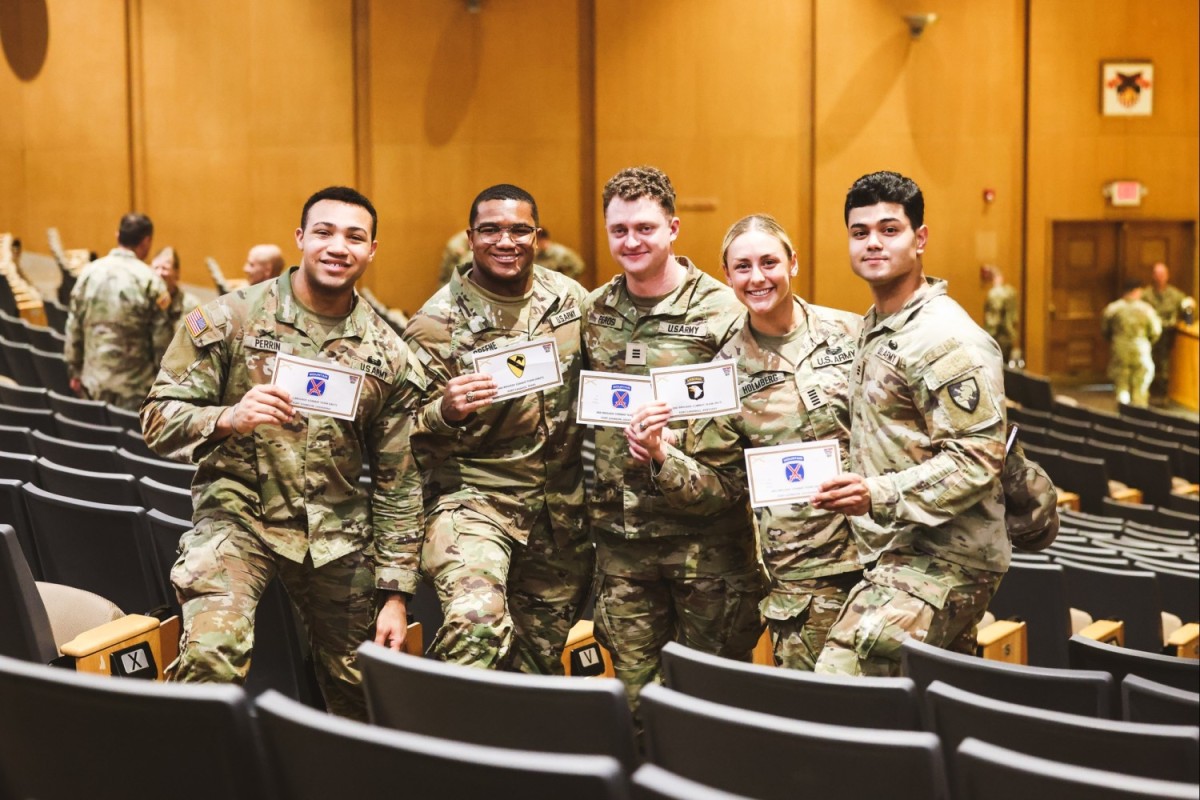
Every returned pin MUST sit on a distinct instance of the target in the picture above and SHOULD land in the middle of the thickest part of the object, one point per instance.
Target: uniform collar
(933, 287)
(281, 302)
(752, 357)
(618, 299)
(543, 298)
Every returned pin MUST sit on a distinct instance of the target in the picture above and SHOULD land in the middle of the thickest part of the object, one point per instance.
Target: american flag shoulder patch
(196, 322)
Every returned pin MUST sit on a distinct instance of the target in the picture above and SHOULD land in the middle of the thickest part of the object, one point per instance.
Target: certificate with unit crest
(790, 473)
(320, 387)
(698, 390)
(522, 368)
(607, 399)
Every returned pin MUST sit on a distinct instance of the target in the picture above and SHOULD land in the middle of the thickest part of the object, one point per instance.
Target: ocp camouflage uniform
(794, 390)
(456, 253)
(664, 573)
(286, 499)
(182, 302)
(506, 543)
(1168, 305)
(1131, 326)
(1001, 318)
(117, 329)
(561, 259)
(927, 432)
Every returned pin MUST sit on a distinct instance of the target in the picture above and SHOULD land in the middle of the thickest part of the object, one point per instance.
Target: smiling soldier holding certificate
(506, 539)
(794, 361)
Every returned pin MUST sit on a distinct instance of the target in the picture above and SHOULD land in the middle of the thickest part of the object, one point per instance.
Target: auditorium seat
(13, 514)
(1086, 477)
(19, 358)
(1185, 504)
(97, 487)
(855, 701)
(170, 500)
(1144, 700)
(1150, 472)
(1037, 595)
(78, 409)
(1131, 596)
(87, 432)
(65, 736)
(79, 455)
(56, 314)
(1118, 436)
(774, 758)
(51, 370)
(1088, 654)
(987, 772)
(315, 756)
(1137, 512)
(134, 443)
(18, 467)
(655, 783)
(1168, 517)
(1166, 752)
(18, 396)
(15, 439)
(47, 339)
(171, 473)
(449, 701)
(123, 418)
(34, 419)
(1074, 691)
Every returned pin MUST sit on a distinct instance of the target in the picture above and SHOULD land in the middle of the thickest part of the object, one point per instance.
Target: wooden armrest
(764, 651)
(1191, 490)
(1127, 495)
(1107, 631)
(414, 640)
(1068, 500)
(1186, 641)
(108, 634)
(1004, 640)
(131, 646)
(583, 656)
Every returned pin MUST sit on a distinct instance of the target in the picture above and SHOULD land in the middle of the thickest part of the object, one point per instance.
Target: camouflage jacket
(927, 431)
(561, 259)
(782, 403)
(296, 485)
(1165, 303)
(509, 460)
(1000, 313)
(182, 302)
(117, 328)
(689, 326)
(1131, 326)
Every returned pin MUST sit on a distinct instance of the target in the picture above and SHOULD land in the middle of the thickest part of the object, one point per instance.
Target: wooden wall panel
(65, 144)
(461, 101)
(1074, 150)
(945, 110)
(717, 94)
(248, 109)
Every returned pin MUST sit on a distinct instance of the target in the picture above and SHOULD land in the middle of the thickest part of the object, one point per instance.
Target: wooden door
(1143, 244)
(1084, 280)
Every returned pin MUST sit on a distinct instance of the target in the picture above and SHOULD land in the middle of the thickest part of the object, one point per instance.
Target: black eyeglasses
(519, 234)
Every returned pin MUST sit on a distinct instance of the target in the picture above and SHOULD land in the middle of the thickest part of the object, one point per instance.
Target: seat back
(76, 454)
(301, 745)
(77, 409)
(655, 783)
(1151, 472)
(1137, 512)
(102, 548)
(83, 484)
(19, 357)
(123, 418)
(51, 370)
(15, 439)
(1037, 595)
(1182, 673)
(1074, 691)
(20, 396)
(170, 500)
(18, 467)
(26, 632)
(1085, 476)
(558, 714)
(796, 694)
(988, 772)
(1166, 752)
(125, 737)
(1131, 596)
(161, 470)
(34, 419)
(87, 432)
(771, 757)
(1144, 700)
(13, 513)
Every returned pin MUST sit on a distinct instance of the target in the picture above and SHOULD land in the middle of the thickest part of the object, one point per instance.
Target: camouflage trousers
(702, 591)
(1131, 380)
(1160, 354)
(506, 605)
(223, 570)
(800, 614)
(906, 594)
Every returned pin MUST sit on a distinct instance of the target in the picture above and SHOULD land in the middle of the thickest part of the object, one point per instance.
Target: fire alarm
(989, 195)
(1124, 193)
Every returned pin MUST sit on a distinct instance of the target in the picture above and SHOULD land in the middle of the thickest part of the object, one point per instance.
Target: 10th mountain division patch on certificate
(321, 387)
(607, 399)
(790, 473)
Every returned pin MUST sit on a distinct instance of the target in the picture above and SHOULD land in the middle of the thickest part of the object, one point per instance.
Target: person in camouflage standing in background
(276, 490)
(794, 361)
(663, 573)
(558, 257)
(1168, 302)
(1001, 316)
(166, 266)
(506, 541)
(927, 440)
(1132, 327)
(118, 326)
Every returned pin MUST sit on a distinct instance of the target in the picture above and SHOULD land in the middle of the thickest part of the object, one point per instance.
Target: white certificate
(319, 386)
(790, 473)
(608, 399)
(698, 390)
(522, 368)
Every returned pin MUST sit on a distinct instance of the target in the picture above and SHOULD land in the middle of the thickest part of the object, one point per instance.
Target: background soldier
(1131, 326)
(558, 257)
(1167, 301)
(118, 327)
(166, 266)
(277, 491)
(1001, 316)
(663, 573)
(927, 437)
(263, 263)
(506, 538)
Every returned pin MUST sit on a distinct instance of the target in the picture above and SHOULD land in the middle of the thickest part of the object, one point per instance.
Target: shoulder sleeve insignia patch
(964, 394)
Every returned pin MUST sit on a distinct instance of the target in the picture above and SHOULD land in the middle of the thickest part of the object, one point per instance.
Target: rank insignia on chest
(812, 398)
(695, 387)
(516, 364)
(964, 394)
(635, 354)
(620, 395)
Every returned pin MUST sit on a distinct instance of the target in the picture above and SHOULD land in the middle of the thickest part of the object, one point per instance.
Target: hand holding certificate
(522, 368)
(790, 473)
(698, 390)
(322, 387)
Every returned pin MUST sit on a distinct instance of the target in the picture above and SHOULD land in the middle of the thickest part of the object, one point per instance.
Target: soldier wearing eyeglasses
(506, 541)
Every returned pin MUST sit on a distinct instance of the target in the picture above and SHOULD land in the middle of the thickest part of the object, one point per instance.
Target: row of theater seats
(953, 727)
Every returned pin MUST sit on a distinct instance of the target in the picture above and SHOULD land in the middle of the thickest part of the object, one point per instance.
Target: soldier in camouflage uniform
(663, 573)
(118, 328)
(1167, 301)
(506, 541)
(1001, 314)
(456, 253)
(794, 363)
(1132, 327)
(264, 262)
(277, 490)
(558, 257)
(166, 266)
(927, 437)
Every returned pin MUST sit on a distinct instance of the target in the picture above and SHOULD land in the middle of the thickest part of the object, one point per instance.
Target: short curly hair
(637, 182)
